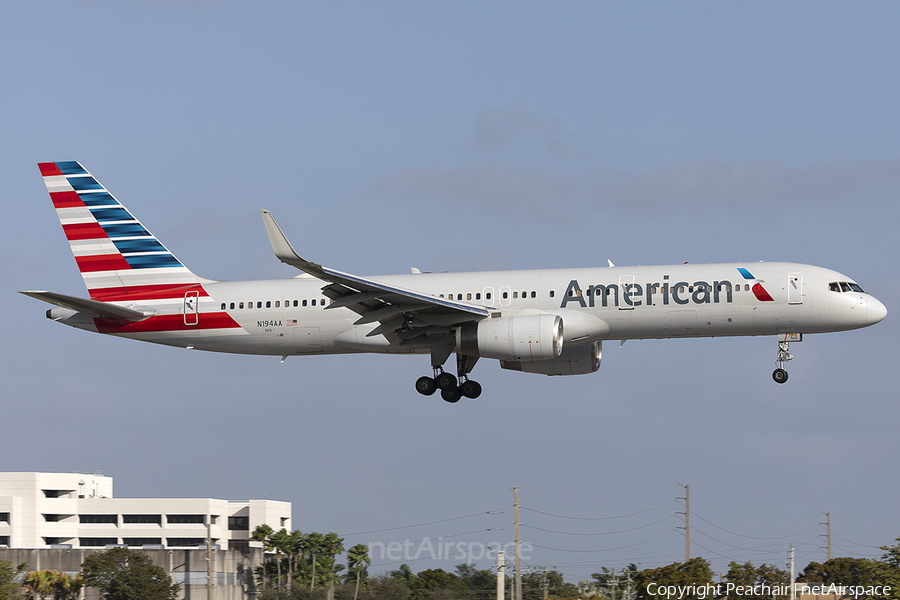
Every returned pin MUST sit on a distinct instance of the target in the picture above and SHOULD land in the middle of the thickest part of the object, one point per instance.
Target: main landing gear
(451, 391)
(451, 388)
(780, 375)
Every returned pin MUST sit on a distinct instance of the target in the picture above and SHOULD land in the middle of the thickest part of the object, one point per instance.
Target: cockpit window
(845, 286)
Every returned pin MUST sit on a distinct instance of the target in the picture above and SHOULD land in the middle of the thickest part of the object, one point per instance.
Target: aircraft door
(795, 288)
(625, 281)
(192, 308)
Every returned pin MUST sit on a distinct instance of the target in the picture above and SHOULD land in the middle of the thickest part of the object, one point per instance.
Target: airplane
(548, 321)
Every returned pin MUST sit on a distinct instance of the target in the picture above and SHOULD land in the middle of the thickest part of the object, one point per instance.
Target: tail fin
(116, 255)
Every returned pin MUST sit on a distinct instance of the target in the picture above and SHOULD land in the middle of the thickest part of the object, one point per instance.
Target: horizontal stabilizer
(101, 309)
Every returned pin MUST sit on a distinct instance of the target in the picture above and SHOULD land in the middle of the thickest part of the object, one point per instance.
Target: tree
(313, 544)
(842, 571)
(123, 574)
(332, 545)
(40, 584)
(357, 561)
(745, 576)
(431, 581)
(405, 575)
(616, 583)
(888, 570)
(9, 579)
(263, 534)
(694, 572)
(478, 583)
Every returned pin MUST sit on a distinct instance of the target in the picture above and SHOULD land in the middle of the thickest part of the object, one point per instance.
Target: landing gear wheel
(425, 386)
(780, 375)
(451, 394)
(470, 389)
(445, 380)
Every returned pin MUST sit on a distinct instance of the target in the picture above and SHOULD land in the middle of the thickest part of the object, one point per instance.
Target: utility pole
(828, 514)
(518, 545)
(687, 522)
(793, 591)
(546, 584)
(612, 585)
(501, 576)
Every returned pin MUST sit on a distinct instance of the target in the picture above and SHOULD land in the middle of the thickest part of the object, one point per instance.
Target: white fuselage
(285, 317)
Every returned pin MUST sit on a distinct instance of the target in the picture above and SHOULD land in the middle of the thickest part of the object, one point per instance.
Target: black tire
(470, 389)
(451, 394)
(445, 380)
(780, 375)
(426, 386)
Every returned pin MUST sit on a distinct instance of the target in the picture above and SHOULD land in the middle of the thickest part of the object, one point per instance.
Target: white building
(74, 510)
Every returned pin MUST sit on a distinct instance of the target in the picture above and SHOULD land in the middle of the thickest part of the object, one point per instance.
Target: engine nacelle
(518, 338)
(574, 360)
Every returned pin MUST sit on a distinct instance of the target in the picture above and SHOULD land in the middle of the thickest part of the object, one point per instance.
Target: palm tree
(332, 546)
(264, 533)
(38, 584)
(292, 548)
(312, 544)
(357, 560)
(66, 587)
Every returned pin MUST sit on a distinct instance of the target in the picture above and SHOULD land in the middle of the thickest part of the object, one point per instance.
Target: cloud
(513, 129)
(494, 187)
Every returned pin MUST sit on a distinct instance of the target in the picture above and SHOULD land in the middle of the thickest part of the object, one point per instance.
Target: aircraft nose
(875, 311)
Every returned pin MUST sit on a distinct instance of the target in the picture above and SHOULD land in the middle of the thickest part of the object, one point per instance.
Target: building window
(238, 523)
(184, 542)
(142, 519)
(94, 542)
(113, 519)
(58, 493)
(4, 540)
(185, 519)
(4, 517)
(138, 542)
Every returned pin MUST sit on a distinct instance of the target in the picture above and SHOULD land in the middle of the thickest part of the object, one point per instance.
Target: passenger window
(515, 294)
(468, 296)
(278, 304)
(304, 303)
(478, 296)
(552, 293)
(314, 302)
(268, 304)
(533, 294)
(487, 296)
(223, 306)
(746, 287)
(505, 295)
(259, 305)
(442, 295)
(295, 303)
(322, 302)
(241, 305)
(459, 296)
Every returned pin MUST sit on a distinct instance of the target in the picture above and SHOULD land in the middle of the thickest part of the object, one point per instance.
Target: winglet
(283, 249)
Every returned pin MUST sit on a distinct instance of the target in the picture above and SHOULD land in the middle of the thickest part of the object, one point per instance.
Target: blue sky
(471, 136)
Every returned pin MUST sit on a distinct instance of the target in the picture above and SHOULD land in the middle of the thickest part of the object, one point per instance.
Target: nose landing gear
(780, 375)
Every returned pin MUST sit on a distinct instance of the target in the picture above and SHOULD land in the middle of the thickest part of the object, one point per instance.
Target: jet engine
(574, 360)
(519, 338)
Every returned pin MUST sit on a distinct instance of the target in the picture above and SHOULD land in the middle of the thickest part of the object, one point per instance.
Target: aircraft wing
(101, 309)
(373, 300)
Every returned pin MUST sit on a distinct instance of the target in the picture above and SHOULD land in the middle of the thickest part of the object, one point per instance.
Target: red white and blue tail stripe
(116, 254)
